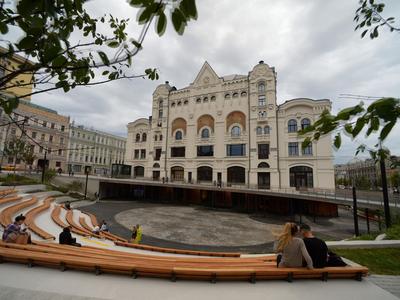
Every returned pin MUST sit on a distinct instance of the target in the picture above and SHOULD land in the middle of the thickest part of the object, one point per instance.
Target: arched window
(263, 165)
(178, 135)
(235, 131)
(227, 96)
(173, 104)
(160, 137)
(179, 103)
(156, 165)
(160, 103)
(156, 137)
(243, 94)
(186, 102)
(205, 133)
(160, 113)
(144, 137)
(213, 98)
(259, 130)
(266, 129)
(261, 87)
(292, 125)
(205, 99)
(137, 137)
(235, 95)
(305, 123)
(198, 100)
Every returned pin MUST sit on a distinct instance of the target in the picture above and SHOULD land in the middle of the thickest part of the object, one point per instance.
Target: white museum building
(230, 131)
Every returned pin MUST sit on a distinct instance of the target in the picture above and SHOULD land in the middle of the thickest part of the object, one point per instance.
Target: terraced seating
(55, 216)
(33, 213)
(70, 219)
(6, 215)
(89, 259)
(177, 251)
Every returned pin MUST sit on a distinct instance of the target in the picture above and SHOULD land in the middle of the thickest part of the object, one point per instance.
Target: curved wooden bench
(33, 213)
(213, 274)
(6, 192)
(7, 214)
(93, 219)
(177, 251)
(107, 235)
(55, 216)
(10, 199)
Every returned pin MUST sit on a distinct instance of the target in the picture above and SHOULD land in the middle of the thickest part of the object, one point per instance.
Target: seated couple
(310, 251)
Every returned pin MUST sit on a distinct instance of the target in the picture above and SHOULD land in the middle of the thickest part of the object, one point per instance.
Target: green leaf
(113, 44)
(337, 141)
(104, 58)
(3, 28)
(27, 42)
(359, 126)
(348, 128)
(188, 7)
(386, 130)
(161, 23)
(364, 33)
(178, 20)
(306, 142)
(59, 61)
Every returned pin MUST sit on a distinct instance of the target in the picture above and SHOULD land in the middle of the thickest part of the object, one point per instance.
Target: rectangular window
(59, 152)
(44, 124)
(263, 151)
(50, 138)
(42, 137)
(236, 150)
(34, 133)
(61, 140)
(205, 150)
(86, 158)
(53, 125)
(58, 164)
(63, 128)
(158, 154)
(40, 150)
(142, 154)
(136, 154)
(307, 150)
(293, 149)
(177, 151)
(261, 100)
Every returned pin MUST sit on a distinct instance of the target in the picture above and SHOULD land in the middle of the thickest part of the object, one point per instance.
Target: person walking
(292, 249)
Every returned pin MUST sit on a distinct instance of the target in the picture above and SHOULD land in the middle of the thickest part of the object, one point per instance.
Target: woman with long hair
(292, 248)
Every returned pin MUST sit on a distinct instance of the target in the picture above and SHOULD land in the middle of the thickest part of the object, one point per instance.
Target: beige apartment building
(94, 151)
(45, 130)
(230, 131)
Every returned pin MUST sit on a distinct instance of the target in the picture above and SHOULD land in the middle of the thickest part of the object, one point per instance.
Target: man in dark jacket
(66, 238)
(316, 247)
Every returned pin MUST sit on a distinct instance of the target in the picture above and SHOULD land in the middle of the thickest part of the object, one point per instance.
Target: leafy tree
(15, 148)
(99, 56)
(395, 179)
(28, 156)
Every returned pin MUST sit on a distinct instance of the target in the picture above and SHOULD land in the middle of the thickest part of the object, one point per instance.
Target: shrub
(49, 175)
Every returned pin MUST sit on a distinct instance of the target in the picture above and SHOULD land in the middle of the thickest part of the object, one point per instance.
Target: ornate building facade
(230, 131)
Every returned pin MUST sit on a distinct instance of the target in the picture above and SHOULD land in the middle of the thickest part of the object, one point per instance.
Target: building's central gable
(206, 76)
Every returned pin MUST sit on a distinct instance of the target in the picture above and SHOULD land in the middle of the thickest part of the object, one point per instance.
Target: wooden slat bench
(213, 274)
(33, 213)
(107, 235)
(178, 251)
(9, 199)
(78, 229)
(7, 214)
(55, 216)
(6, 192)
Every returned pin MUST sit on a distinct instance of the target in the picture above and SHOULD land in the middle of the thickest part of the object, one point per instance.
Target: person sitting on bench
(316, 248)
(104, 226)
(292, 249)
(15, 233)
(66, 238)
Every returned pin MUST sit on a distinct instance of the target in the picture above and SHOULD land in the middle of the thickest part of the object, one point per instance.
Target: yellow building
(20, 85)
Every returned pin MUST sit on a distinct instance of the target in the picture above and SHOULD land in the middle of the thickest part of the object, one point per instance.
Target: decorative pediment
(206, 76)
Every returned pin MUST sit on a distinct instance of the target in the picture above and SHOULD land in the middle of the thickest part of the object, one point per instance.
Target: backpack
(335, 260)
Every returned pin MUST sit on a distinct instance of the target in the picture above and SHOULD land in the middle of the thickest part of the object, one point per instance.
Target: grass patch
(393, 233)
(15, 179)
(383, 261)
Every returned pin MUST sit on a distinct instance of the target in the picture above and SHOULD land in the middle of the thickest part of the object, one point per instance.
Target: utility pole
(87, 177)
(386, 207)
(355, 210)
(44, 164)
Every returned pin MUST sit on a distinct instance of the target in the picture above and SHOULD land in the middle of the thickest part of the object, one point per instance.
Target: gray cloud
(312, 45)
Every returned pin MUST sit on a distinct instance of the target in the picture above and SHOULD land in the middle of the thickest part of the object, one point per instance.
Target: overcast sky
(311, 44)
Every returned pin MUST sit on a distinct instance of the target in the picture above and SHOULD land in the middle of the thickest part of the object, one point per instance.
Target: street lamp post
(44, 165)
(86, 184)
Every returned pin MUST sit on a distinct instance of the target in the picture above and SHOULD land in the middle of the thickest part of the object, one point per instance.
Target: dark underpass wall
(243, 202)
